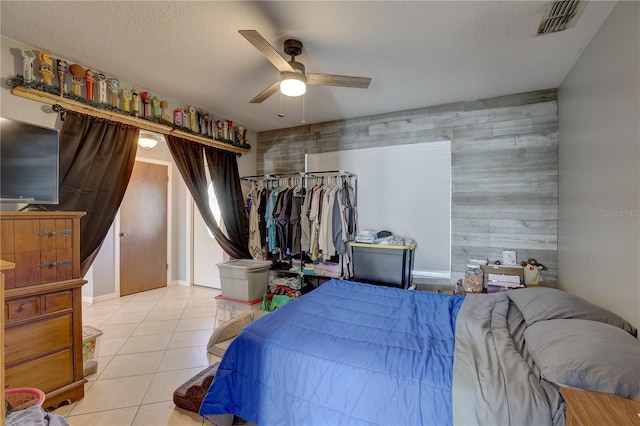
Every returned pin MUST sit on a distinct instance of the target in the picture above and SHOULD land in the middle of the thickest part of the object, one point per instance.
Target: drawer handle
(62, 233)
(20, 309)
(52, 264)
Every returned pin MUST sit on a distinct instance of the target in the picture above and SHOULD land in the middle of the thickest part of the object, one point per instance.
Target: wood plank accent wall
(504, 171)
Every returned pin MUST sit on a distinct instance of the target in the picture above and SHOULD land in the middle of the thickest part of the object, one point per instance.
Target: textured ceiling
(418, 53)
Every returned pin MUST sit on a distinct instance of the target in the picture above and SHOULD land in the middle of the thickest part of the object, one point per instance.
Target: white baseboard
(91, 300)
(430, 274)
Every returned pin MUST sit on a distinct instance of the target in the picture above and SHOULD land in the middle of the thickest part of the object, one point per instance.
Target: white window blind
(405, 189)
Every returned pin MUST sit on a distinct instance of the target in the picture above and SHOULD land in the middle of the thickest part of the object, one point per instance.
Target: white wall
(599, 162)
(13, 106)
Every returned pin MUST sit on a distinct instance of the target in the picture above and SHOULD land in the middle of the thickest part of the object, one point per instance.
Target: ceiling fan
(293, 79)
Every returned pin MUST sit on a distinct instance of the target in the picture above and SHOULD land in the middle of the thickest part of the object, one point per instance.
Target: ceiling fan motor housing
(292, 47)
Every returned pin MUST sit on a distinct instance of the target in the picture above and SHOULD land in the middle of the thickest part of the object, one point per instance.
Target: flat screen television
(28, 163)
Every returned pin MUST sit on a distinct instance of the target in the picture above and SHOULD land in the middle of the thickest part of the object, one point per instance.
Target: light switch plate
(508, 257)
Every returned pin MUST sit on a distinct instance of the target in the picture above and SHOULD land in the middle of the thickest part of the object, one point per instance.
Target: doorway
(143, 232)
(207, 253)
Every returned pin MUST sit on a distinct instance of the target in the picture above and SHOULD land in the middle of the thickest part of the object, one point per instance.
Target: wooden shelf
(71, 105)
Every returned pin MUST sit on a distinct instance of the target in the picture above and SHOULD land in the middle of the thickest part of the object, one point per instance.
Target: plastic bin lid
(246, 264)
(241, 302)
(88, 331)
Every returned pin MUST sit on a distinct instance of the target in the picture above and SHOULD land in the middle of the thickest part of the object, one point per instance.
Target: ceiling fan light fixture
(292, 84)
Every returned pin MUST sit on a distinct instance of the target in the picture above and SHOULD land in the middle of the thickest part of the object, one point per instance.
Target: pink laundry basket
(21, 398)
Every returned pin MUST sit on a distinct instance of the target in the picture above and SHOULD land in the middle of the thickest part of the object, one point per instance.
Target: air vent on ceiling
(560, 15)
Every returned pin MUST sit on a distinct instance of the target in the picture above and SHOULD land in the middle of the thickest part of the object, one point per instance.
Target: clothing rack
(336, 172)
(306, 175)
(301, 183)
(272, 176)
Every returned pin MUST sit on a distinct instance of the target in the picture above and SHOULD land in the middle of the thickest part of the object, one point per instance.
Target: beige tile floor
(152, 343)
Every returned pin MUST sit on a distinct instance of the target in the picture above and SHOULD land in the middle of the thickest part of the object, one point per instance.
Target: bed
(358, 354)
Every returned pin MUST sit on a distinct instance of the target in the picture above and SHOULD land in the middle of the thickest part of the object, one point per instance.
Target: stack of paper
(511, 281)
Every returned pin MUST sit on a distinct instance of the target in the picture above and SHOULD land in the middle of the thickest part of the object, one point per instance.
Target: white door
(207, 253)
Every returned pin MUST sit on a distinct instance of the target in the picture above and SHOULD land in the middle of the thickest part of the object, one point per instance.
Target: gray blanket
(492, 382)
(35, 416)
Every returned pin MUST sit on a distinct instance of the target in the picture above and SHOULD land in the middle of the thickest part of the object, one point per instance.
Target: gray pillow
(586, 355)
(544, 303)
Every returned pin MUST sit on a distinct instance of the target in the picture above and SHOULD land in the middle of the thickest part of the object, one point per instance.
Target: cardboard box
(510, 270)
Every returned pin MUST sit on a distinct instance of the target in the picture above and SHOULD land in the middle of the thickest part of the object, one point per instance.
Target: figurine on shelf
(185, 118)
(90, 79)
(202, 129)
(62, 71)
(77, 78)
(135, 96)
(230, 132)
(46, 67)
(207, 123)
(163, 108)
(145, 97)
(102, 88)
(114, 88)
(218, 130)
(225, 130)
(126, 100)
(27, 65)
(242, 135)
(155, 107)
(193, 122)
(177, 117)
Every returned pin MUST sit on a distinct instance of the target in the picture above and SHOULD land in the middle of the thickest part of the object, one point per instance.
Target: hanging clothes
(314, 218)
(295, 220)
(305, 223)
(255, 239)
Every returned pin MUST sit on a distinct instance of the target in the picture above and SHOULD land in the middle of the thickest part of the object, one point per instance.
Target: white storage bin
(228, 309)
(90, 349)
(244, 279)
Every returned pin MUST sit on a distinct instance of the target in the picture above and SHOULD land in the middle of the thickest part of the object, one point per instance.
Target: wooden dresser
(597, 409)
(43, 303)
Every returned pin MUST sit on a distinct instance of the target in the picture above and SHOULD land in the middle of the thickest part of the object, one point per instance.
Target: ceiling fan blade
(262, 96)
(338, 80)
(267, 50)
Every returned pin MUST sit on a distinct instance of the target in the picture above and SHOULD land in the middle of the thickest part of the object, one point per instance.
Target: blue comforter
(346, 353)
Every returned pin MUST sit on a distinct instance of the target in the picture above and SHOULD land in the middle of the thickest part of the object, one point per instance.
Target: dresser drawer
(22, 308)
(54, 302)
(49, 373)
(44, 247)
(41, 337)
